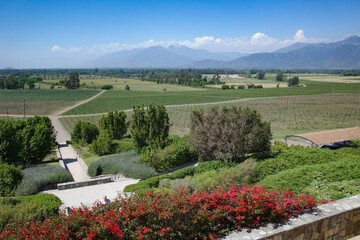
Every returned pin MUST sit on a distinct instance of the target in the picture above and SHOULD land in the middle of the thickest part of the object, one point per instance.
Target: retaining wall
(336, 221)
(69, 185)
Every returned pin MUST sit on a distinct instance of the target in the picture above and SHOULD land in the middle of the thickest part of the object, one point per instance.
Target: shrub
(153, 182)
(227, 177)
(37, 177)
(250, 86)
(175, 154)
(84, 131)
(293, 82)
(103, 144)
(241, 87)
(225, 87)
(258, 86)
(323, 189)
(301, 177)
(10, 177)
(149, 127)
(280, 146)
(350, 151)
(260, 75)
(229, 134)
(114, 123)
(125, 163)
(123, 145)
(29, 208)
(176, 184)
(280, 77)
(127, 87)
(175, 215)
(289, 159)
(232, 86)
(26, 142)
(107, 87)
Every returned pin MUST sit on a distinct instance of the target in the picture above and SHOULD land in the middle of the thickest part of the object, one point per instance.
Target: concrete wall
(336, 221)
(69, 185)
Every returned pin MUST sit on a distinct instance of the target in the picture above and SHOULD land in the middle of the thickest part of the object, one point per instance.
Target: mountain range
(172, 56)
(341, 54)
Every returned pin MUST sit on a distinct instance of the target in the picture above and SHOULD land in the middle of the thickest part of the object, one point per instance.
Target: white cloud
(57, 48)
(259, 36)
(299, 36)
(258, 42)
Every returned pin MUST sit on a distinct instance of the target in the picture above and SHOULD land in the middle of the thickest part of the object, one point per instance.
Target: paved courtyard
(88, 195)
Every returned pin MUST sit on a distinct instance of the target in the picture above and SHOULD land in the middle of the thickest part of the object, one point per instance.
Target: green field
(121, 100)
(40, 102)
(287, 115)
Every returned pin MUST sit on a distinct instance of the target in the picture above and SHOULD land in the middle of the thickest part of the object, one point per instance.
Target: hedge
(126, 163)
(301, 177)
(27, 208)
(289, 159)
(153, 182)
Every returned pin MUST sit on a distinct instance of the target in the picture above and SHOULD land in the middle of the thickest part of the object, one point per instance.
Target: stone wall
(95, 181)
(336, 221)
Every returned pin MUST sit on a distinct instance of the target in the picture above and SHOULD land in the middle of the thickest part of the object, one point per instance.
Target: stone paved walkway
(71, 161)
(88, 195)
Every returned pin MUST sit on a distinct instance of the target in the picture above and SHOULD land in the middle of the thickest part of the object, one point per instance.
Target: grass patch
(118, 146)
(40, 101)
(126, 163)
(38, 177)
(51, 159)
(27, 208)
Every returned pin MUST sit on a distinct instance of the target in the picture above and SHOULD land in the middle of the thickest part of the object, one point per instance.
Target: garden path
(72, 162)
(88, 195)
(69, 156)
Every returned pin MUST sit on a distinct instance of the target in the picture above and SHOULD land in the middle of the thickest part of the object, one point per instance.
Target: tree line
(12, 82)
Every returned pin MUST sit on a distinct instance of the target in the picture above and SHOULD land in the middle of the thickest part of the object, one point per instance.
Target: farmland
(288, 114)
(122, 99)
(322, 104)
(40, 102)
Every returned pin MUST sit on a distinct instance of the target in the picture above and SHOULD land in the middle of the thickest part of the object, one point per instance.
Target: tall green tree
(73, 82)
(260, 75)
(9, 144)
(26, 142)
(294, 81)
(84, 131)
(114, 123)
(103, 144)
(38, 138)
(150, 127)
(279, 77)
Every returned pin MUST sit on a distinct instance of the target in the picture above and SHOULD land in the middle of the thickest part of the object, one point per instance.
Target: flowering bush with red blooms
(176, 215)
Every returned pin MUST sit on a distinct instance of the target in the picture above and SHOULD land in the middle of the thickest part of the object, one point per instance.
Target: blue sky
(56, 33)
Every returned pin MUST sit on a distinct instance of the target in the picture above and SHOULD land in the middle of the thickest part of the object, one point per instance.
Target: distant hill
(342, 54)
(160, 57)
(292, 47)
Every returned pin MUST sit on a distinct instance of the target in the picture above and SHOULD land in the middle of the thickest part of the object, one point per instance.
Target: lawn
(40, 102)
